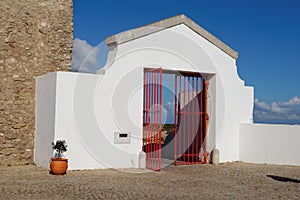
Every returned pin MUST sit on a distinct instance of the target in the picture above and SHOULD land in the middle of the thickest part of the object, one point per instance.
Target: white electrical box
(122, 138)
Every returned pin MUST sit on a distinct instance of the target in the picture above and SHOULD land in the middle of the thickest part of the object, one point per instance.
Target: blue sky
(265, 33)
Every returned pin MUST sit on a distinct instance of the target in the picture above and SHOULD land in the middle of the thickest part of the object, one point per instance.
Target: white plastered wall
(90, 109)
(179, 48)
(231, 103)
(44, 119)
(270, 144)
(90, 143)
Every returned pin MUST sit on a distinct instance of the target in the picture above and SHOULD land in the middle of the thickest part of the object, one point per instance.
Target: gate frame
(202, 90)
(152, 145)
(154, 151)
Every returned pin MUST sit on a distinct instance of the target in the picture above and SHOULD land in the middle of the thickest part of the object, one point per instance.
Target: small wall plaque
(122, 138)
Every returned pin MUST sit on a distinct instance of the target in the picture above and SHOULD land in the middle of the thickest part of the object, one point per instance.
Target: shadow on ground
(283, 179)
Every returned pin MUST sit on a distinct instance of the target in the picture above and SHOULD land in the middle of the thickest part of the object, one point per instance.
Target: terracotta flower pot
(58, 166)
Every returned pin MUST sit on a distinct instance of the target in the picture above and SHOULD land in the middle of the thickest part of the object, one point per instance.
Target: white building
(109, 118)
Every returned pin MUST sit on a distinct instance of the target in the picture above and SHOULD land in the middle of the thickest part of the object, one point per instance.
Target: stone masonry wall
(35, 38)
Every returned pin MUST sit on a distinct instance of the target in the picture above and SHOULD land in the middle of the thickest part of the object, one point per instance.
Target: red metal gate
(190, 120)
(152, 118)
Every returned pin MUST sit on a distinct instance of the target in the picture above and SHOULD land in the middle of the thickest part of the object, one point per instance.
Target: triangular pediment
(136, 33)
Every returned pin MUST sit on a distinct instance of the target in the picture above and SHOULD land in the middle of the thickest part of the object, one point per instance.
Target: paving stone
(224, 181)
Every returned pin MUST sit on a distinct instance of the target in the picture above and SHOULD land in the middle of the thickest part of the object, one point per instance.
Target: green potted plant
(59, 165)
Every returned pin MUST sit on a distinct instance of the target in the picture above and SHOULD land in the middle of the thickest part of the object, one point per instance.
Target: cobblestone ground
(225, 181)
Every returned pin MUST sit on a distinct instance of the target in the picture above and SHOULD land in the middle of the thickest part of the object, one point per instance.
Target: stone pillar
(35, 38)
(215, 157)
(142, 160)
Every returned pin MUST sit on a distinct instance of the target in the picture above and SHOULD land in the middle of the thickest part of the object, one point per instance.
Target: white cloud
(261, 104)
(276, 108)
(293, 101)
(84, 57)
(278, 112)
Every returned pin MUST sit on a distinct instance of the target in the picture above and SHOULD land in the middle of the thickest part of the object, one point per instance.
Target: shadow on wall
(189, 134)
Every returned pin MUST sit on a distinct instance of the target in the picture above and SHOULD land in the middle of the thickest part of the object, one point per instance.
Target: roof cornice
(165, 24)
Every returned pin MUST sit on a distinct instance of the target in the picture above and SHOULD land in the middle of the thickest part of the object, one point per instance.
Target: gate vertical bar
(193, 121)
(153, 142)
(156, 108)
(175, 118)
(197, 119)
(205, 91)
(184, 118)
(188, 116)
(179, 116)
(144, 111)
(201, 118)
(150, 118)
(160, 122)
